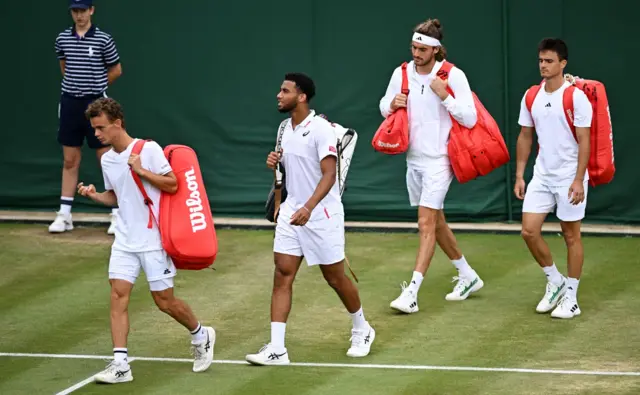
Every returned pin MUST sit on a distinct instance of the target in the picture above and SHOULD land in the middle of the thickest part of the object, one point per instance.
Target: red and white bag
(185, 220)
(392, 136)
(601, 165)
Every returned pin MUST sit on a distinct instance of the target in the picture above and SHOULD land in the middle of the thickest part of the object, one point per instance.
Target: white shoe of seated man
(115, 373)
(112, 222)
(269, 355)
(62, 223)
(407, 302)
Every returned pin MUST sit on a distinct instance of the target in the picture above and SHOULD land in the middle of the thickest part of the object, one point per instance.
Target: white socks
(65, 205)
(277, 335)
(198, 335)
(572, 289)
(358, 320)
(463, 268)
(120, 355)
(416, 281)
(553, 275)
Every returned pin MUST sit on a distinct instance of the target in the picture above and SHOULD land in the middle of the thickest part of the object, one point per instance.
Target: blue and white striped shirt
(86, 61)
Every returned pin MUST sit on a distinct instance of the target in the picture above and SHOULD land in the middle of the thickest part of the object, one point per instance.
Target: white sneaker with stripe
(465, 287)
(552, 296)
(269, 355)
(567, 308)
(407, 302)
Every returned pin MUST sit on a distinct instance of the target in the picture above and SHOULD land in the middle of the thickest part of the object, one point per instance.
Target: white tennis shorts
(428, 186)
(157, 265)
(320, 241)
(540, 198)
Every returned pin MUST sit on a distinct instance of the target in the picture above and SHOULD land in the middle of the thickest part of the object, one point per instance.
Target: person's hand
(135, 164)
(87, 191)
(518, 188)
(439, 87)
(301, 217)
(272, 160)
(576, 192)
(399, 101)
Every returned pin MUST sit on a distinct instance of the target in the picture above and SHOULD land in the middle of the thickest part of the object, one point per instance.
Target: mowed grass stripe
(236, 299)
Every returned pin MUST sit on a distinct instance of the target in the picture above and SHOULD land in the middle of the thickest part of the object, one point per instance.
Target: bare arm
(523, 150)
(108, 198)
(114, 72)
(328, 166)
(584, 150)
(63, 64)
(166, 183)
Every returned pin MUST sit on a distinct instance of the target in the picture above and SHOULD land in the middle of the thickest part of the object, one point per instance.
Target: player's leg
(160, 271)
(407, 302)
(287, 254)
(123, 270)
(468, 280)
(362, 334)
(70, 138)
(94, 143)
(571, 217)
(538, 202)
(323, 244)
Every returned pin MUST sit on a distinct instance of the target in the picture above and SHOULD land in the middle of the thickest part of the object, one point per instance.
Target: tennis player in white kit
(310, 223)
(135, 246)
(560, 177)
(429, 172)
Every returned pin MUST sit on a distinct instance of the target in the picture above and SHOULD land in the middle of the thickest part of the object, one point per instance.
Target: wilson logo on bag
(184, 221)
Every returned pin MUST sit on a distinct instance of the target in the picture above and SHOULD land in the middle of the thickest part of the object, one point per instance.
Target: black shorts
(73, 125)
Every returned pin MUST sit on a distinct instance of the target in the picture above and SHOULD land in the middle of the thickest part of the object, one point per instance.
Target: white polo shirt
(132, 234)
(303, 149)
(557, 160)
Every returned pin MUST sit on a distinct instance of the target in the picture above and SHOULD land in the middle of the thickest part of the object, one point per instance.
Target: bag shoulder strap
(531, 96)
(137, 149)
(443, 74)
(569, 110)
(405, 80)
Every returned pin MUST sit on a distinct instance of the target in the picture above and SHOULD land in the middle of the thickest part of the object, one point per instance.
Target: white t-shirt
(303, 149)
(557, 160)
(132, 234)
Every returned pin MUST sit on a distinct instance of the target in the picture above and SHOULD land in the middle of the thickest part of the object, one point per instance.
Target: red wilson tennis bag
(185, 220)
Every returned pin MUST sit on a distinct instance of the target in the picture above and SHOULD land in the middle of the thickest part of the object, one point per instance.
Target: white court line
(347, 365)
(81, 384)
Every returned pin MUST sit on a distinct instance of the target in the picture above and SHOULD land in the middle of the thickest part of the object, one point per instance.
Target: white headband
(426, 40)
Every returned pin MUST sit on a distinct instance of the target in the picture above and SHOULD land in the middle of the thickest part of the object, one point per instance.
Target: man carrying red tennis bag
(472, 152)
(185, 220)
(601, 165)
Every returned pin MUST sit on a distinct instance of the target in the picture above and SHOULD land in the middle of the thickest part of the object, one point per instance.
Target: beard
(286, 108)
(424, 61)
